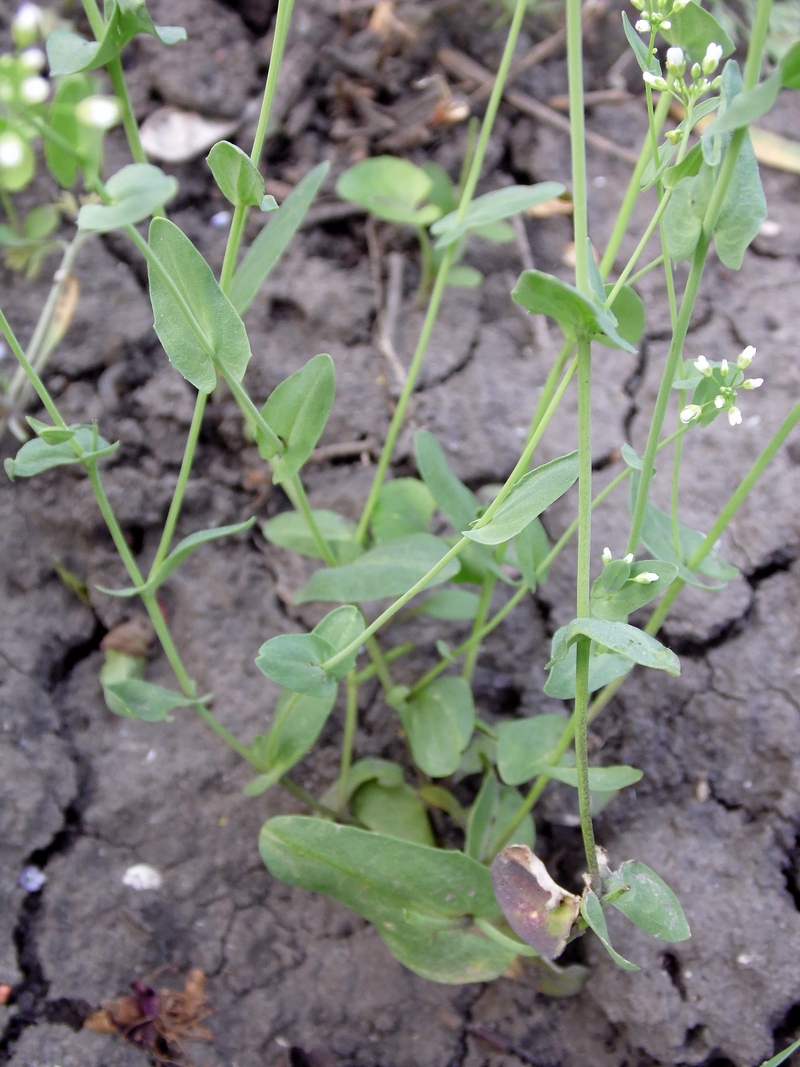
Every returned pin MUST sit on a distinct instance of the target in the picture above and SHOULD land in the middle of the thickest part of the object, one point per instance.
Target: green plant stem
(310, 802)
(379, 662)
(350, 720)
(10, 210)
(180, 488)
(388, 657)
(646, 269)
(633, 191)
(30, 372)
(129, 123)
(474, 640)
(232, 247)
(95, 19)
(432, 312)
(503, 939)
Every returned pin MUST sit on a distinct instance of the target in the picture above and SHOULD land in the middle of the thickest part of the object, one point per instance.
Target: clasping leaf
(68, 53)
(297, 411)
(135, 192)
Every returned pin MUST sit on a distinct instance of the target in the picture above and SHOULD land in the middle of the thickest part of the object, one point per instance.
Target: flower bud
(655, 81)
(629, 557)
(676, 61)
(33, 59)
(746, 357)
(712, 57)
(696, 72)
(690, 413)
(25, 25)
(606, 557)
(752, 383)
(679, 5)
(35, 90)
(666, 25)
(645, 578)
(642, 26)
(102, 112)
(734, 416)
(719, 402)
(12, 150)
(702, 364)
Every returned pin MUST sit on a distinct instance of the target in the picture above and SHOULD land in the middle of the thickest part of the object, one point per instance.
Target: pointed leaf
(38, 455)
(604, 667)
(272, 241)
(293, 661)
(648, 902)
(592, 912)
(235, 173)
(534, 492)
(544, 294)
(492, 207)
(458, 504)
(185, 547)
(782, 1057)
(404, 506)
(628, 310)
(618, 637)
(223, 331)
(297, 724)
(136, 699)
(526, 746)
(492, 811)
(393, 810)
(136, 192)
(743, 210)
(68, 53)
(646, 60)
(601, 779)
(439, 724)
(390, 188)
(298, 410)
(52, 435)
(340, 628)
(390, 569)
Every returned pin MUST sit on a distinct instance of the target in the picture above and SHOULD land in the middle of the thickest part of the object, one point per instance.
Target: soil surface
(294, 978)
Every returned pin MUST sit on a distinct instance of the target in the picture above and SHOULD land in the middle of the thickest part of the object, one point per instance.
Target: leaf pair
(295, 661)
(297, 723)
(68, 53)
(55, 448)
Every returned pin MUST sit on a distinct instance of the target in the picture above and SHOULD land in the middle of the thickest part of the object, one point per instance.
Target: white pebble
(142, 876)
(32, 879)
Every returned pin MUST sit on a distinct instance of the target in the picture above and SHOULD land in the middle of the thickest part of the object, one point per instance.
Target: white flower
(752, 383)
(690, 413)
(35, 90)
(734, 416)
(102, 112)
(712, 57)
(12, 149)
(719, 402)
(724, 368)
(655, 81)
(33, 59)
(676, 61)
(666, 25)
(746, 357)
(25, 25)
(645, 578)
(629, 557)
(606, 557)
(679, 5)
(642, 26)
(702, 364)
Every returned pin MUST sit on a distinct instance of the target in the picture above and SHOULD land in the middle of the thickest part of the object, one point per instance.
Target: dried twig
(387, 320)
(537, 323)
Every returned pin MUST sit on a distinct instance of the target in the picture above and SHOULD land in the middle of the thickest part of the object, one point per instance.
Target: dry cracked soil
(292, 977)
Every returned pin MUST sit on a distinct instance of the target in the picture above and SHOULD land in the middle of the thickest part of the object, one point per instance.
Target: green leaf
(383, 771)
(436, 796)
(290, 530)
(461, 277)
(782, 1057)
(790, 67)
(648, 902)
(215, 316)
(53, 435)
(15, 177)
(630, 457)
(743, 209)
(525, 747)
(629, 312)
(439, 724)
(456, 605)
(500, 233)
(480, 815)
(492, 811)
(534, 492)
(340, 628)
(657, 536)
(68, 53)
(532, 547)
(404, 506)
(592, 912)
(135, 192)
(393, 810)
(185, 547)
(492, 207)
(618, 637)
(632, 595)
(293, 661)
(442, 193)
(390, 188)
(693, 29)
(604, 667)
(62, 117)
(272, 241)
(458, 504)
(408, 891)
(235, 173)
(389, 570)
(747, 107)
(601, 779)
(645, 58)
(136, 699)
(295, 728)
(543, 294)
(298, 410)
(37, 455)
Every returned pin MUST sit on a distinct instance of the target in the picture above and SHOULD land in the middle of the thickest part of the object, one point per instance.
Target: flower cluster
(688, 92)
(656, 14)
(715, 387)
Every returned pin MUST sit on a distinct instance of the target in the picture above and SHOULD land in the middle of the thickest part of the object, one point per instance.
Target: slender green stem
(300, 501)
(180, 488)
(96, 21)
(129, 123)
(474, 640)
(30, 372)
(634, 259)
(282, 23)
(214, 723)
(379, 662)
(306, 798)
(646, 269)
(633, 191)
(350, 720)
(428, 269)
(10, 210)
(676, 485)
(250, 411)
(388, 657)
(503, 939)
(233, 245)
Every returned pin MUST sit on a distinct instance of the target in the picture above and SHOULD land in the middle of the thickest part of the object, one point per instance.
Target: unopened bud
(642, 26)
(666, 25)
(606, 557)
(655, 81)
(719, 402)
(102, 112)
(12, 150)
(712, 57)
(752, 383)
(676, 61)
(702, 364)
(25, 25)
(33, 59)
(629, 557)
(690, 413)
(746, 357)
(734, 416)
(646, 578)
(34, 90)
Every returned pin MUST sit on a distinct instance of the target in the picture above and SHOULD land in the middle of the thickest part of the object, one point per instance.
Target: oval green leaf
(297, 412)
(648, 902)
(439, 724)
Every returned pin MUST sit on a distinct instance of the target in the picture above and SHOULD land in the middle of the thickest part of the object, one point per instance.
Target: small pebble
(32, 879)
(220, 219)
(769, 228)
(142, 876)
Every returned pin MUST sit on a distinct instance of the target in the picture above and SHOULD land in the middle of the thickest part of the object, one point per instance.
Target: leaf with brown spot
(538, 910)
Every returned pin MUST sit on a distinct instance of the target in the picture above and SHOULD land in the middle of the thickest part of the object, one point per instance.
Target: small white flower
(702, 364)
(655, 81)
(33, 59)
(676, 61)
(724, 368)
(25, 25)
(606, 557)
(712, 57)
(746, 357)
(734, 416)
(690, 413)
(35, 90)
(629, 557)
(642, 26)
(12, 149)
(679, 5)
(646, 578)
(752, 383)
(719, 402)
(102, 112)
(666, 25)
